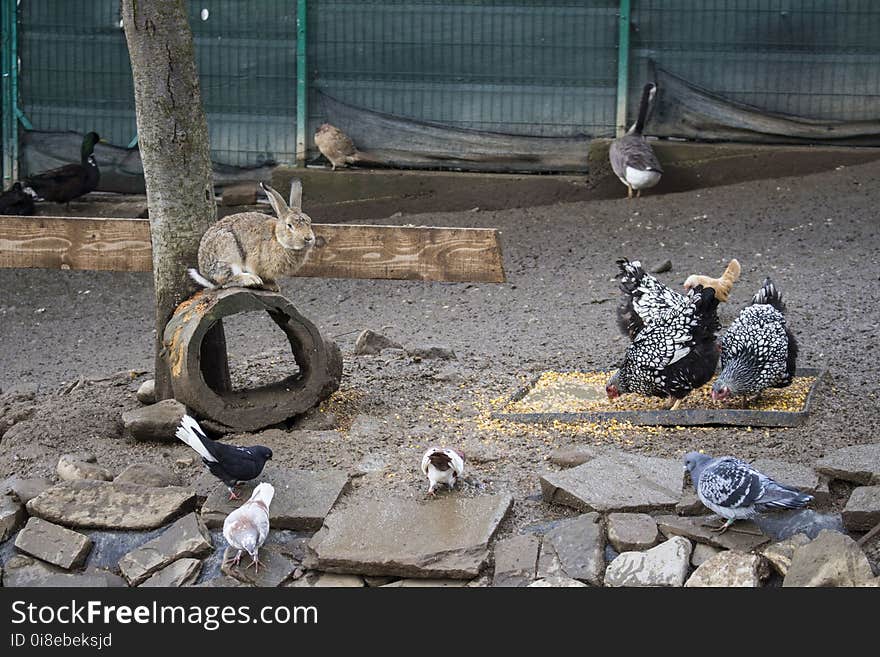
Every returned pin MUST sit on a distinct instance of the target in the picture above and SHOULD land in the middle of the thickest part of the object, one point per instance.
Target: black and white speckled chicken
(758, 351)
(673, 348)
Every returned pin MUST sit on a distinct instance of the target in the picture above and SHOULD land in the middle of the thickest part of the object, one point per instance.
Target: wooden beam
(422, 253)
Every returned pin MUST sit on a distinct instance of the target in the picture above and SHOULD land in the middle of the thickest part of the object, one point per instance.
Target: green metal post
(302, 82)
(622, 66)
(9, 68)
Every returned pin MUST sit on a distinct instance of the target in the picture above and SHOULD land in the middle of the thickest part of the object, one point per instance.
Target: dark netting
(397, 141)
(689, 111)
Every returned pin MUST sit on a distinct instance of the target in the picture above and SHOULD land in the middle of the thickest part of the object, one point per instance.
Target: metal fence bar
(9, 83)
(302, 82)
(622, 66)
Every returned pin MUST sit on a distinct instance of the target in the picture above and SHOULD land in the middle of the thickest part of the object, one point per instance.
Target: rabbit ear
(296, 194)
(275, 200)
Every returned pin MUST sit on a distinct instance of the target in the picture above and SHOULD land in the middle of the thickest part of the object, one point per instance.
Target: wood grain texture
(343, 251)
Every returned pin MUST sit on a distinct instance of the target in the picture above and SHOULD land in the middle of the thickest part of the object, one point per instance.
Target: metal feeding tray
(731, 416)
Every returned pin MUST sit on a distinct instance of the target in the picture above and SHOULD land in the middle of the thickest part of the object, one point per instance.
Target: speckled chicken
(336, 146)
(758, 351)
(673, 348)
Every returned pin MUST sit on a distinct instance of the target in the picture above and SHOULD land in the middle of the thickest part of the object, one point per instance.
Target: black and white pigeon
(442, 465)
(246, 528)
(229, 463)
(758, 351)
(734, 490)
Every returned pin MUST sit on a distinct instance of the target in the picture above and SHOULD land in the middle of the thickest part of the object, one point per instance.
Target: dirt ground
(816, 235)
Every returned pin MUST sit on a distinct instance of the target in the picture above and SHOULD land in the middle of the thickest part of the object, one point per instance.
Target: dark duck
(71, 181)
(15, 201)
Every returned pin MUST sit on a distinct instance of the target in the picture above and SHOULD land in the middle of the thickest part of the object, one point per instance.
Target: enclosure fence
(565, 69)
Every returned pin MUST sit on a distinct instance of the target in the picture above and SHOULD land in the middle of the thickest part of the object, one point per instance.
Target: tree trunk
(173, 138)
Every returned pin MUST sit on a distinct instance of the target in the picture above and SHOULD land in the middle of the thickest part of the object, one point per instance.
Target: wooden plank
(424, 253)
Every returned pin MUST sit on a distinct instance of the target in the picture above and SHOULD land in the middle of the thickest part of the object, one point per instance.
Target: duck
(71, 181)
(632, 158)
(15, 201)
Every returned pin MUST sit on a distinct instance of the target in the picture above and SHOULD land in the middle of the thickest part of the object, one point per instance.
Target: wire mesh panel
(808, 58)
(517, 67)
(76, 74)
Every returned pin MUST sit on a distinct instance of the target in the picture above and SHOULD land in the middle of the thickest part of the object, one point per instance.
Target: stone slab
(862, 511)
(579, 548)
(179, 573)
(516, 560)
(859, 464)
(187, 537)
(664, 565)
(694, 529)
(53, 543)
(24, 571)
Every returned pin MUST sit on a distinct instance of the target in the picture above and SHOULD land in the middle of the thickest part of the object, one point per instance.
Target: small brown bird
(722, 285)
(336, 146)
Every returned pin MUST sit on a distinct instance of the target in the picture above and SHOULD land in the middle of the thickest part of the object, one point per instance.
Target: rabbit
(252, 249)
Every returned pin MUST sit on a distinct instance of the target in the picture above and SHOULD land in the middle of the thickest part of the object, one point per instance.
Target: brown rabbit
(252, 249)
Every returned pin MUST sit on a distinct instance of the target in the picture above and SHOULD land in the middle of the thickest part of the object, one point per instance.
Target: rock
(377, 581)
(148, 474)
(52, 543)
(179, 573)
(830, 559)
(557, 582)
(617, 481)
(663, 267)
(24, 571)
(690, 504)
(516, 560)
(570, 457)
(862, 510)
(25, 489)
(157, 422)
(105, 505)
(730, 569)
(146, 392)
(431, 353)
(72, 467)
(632, 531)
(694, 529)
(277, 564)
(664, 565)
(369, 343)
(579, 545)
(427, 583)
(329, 581)
(702, 553)
(302, 498)
(447, 537)
(779, 554)
(859, 464)
(187, 537)
(793, 474)
(12, 516)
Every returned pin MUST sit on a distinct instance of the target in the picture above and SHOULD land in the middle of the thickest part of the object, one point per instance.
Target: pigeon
(246, 528)
(442, 465)
(229, 463)
(736, 491)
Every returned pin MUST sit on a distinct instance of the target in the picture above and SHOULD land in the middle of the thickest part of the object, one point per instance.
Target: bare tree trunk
(173, 138)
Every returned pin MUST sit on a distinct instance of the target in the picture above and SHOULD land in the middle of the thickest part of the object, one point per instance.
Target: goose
(71, 181)
(632, 157)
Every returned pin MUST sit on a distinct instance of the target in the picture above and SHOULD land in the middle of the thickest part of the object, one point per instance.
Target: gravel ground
(816, 235)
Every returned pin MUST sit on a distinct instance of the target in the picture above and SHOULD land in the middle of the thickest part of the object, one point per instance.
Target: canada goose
(71, 181)
(632, 157)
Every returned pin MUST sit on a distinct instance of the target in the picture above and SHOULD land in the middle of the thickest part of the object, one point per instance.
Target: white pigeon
(246, 528)
(442, 465)
(734, 490)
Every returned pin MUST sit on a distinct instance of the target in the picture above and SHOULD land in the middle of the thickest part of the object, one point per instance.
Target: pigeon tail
(191, 433)
(777, 496)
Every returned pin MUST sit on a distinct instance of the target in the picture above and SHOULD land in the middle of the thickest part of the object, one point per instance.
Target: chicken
(673, 348)
(722, 285)
(758, 351)
(336, 146)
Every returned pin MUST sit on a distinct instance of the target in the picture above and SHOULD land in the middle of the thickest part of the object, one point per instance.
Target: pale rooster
(336, 146)
(721, 285)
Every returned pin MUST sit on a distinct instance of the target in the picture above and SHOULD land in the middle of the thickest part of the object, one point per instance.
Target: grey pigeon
(246, 528)
(736, 491)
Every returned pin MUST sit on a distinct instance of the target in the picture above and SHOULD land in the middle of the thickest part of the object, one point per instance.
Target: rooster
(721, 285)
(758, 351)
(336, 146)
(673, 347)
